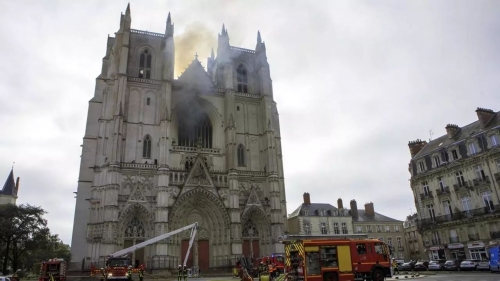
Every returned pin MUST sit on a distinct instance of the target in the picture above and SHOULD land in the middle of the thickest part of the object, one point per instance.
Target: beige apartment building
(319, 219)
(378, 226)
(455, 181)
(414, 248)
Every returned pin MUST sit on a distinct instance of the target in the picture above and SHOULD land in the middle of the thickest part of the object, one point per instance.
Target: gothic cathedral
(161, 153)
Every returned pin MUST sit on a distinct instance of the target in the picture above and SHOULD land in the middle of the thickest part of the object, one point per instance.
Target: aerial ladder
(118, 270)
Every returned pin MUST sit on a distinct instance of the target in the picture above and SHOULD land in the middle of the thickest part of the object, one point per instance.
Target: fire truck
(117, 264)
(278, 260)
(53, 270)
(336, 258)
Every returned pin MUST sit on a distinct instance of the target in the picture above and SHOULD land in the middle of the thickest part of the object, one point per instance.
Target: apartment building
(319, 219)
(414, 249)
(378, 226)
(455, 181)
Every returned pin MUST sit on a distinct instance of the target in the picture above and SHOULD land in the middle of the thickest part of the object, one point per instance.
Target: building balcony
(495, 235)
(443, 191)
(454, 239)
(436, 241)
(461, 187)
(481, 181)
(426, 223)
(473, 237)
(426, 195)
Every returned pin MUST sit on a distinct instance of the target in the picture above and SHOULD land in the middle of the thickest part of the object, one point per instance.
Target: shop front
(436, 253)
(457, 251)
(477, 250)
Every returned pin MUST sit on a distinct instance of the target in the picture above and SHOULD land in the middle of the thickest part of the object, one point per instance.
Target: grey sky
(354, 82)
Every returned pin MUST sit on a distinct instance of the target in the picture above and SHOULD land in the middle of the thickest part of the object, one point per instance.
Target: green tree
(21, 228)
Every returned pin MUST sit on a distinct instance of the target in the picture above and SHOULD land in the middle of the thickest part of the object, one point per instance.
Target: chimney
(307, 198)
(354, 209)
(484, 115)
(416, 146)
(339, 204)
(451, 130)
(369, 210)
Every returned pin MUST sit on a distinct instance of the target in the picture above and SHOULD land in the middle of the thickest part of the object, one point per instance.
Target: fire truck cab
(336, 258)
(278, 260)
(53, 270)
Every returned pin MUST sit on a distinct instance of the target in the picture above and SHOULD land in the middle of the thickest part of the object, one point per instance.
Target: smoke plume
(196, 38)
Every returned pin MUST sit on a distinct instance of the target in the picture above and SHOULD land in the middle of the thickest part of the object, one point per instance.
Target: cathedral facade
(161, 153)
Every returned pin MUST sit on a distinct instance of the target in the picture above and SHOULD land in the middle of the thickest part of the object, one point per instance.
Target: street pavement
(454, 276)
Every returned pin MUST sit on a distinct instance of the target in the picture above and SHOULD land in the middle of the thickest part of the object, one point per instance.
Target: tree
(21, 230)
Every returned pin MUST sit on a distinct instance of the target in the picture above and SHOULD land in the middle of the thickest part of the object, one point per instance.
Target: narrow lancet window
(241, 155)
(242, 79)
(146, 147)
(145, 64)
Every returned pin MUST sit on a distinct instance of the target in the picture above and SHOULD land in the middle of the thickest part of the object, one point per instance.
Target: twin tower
(160, 153)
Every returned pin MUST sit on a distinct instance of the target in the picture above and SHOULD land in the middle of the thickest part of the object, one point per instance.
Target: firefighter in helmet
(185, 272)
(15, 276)
(141, 274)
(103, 274)
(129, 273)
(179, 273)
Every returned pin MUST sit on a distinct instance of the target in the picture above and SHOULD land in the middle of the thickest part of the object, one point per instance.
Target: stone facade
(378, 226)
(160, 153)
(8, 193)
(455, 182)
(319, 219)
(414, 249)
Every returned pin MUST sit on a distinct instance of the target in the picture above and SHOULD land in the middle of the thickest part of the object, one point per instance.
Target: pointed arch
(241, 155)
(146, 147)
(145, 63)
(242, 78)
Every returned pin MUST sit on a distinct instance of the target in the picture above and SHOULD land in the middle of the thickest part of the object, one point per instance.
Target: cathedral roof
(196, 74)
(9, 187)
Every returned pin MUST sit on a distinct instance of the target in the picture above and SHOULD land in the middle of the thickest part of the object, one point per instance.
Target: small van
(493, 253)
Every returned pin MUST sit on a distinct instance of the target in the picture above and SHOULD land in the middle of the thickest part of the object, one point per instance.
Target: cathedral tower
(160, 153)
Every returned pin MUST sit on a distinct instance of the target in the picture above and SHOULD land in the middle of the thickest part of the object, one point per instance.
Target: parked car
(451, 265)
(420, 266)
(469, 264)
(494, 260)
(3, 278)
(407, 266)
(436, 265)
(483, 264)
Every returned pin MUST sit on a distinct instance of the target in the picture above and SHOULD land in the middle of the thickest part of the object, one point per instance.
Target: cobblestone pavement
(454, 276)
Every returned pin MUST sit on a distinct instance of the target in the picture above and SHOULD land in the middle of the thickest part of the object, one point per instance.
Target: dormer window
(145, 64)
(493, 140)
(436, 160)
(472, 148)
(421, 166)
(305, 212)
(242, 79)
(454, 154)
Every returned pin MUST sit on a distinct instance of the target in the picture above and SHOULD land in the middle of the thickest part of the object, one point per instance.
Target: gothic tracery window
(146, 147)
(242, 78)
(145, 64)
(250, 229)
(195, 127)
(135, 229)
(241, 155)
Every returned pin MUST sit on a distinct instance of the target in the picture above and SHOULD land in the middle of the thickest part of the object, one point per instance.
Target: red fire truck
(278, 260)
(53, 270)
(117, 264)
(336, 258)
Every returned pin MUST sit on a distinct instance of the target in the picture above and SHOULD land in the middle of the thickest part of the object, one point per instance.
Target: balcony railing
(426, 195)
(443, 191)
(436, 241)
(473, 237)
(461, 186)
(423, 224)
(481, 181)
(454, 239)
(495, 235)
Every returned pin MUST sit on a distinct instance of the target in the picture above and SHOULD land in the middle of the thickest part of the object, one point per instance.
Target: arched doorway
(211, 247)
(136, 228)
(256, 233)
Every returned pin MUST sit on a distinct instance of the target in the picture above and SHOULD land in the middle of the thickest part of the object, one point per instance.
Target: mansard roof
(312, 209)
(196, 74)
(9, 187)
(462, 134)
(363, 217)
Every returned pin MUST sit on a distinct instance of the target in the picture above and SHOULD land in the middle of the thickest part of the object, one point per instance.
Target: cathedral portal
(161, 153)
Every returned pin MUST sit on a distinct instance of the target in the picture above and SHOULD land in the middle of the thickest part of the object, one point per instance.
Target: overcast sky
(354, 82)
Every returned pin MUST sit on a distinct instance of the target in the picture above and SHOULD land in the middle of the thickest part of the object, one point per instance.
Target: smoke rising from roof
(196, 38)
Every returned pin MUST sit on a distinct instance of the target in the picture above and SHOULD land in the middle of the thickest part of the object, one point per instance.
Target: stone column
(234, 212)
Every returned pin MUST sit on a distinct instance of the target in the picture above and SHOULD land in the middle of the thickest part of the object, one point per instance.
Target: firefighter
(15, 276)
(395, 266)
(129, 273)
(103, 274)
(185, 272)
(141, 274)
(179, 273)
(51, 277)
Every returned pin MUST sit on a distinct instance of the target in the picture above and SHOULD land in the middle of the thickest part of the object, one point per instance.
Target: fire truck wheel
(378, 275)
(330, 277)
